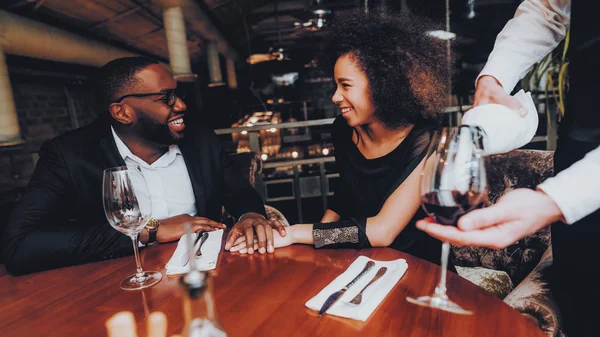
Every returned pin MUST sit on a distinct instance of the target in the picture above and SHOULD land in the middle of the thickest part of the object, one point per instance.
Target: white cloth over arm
(576, 190)
(536, 29)
(505, 130)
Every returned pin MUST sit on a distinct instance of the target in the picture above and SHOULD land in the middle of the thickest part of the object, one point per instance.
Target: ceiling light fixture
(471, 14)
(442, 35)
(274, 54)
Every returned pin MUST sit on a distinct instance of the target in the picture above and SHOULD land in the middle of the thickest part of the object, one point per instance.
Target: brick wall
(42, 105)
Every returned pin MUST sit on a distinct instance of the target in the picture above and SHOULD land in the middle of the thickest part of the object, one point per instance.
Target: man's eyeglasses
(170, 96)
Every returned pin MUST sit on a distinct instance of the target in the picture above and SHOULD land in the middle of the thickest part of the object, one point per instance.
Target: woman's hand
(255, 228)
(240, 245)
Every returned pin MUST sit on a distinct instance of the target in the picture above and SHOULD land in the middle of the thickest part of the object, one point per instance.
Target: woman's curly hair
(407, 69)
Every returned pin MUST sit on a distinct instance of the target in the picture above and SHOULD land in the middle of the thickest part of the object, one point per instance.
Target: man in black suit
(60, 220)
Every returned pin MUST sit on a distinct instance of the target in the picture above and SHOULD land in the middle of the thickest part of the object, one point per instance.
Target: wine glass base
(132, 282)
(439, 303)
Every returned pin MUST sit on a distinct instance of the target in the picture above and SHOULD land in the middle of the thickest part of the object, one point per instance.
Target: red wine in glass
(453, 182)
(447, 206)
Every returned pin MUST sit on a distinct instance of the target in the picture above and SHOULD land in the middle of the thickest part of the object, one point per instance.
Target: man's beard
(154, 131)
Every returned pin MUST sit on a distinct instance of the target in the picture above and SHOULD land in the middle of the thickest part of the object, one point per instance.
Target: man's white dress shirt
(536, 29)
(168, 181)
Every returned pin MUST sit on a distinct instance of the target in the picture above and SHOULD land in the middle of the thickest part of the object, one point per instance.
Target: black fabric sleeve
(337, 200)
(238, 195)
(40, 234)
(348, 233)
(415, 157)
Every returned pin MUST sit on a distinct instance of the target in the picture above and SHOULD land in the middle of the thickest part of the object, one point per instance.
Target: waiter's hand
(517, 214)
(489, 91)
(255, 225)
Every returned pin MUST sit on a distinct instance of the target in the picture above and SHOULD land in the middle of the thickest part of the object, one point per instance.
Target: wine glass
(121, 187)
(453, 182)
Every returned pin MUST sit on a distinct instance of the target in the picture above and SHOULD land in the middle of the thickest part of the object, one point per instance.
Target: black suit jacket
(60, 219)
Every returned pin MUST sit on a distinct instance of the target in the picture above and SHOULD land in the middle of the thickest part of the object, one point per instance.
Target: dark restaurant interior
(53, 94)
(251, 71)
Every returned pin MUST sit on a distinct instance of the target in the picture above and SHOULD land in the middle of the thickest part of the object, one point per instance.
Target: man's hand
(173, 228)
(517, 214)
(490, 91)
(240, 245)
(251, 224)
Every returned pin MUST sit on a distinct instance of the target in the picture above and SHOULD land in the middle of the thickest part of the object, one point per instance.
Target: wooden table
(257, 295)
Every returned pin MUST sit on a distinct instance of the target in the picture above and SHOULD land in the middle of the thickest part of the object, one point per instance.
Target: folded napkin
(371, 297)
(210, 253)
(505, 129)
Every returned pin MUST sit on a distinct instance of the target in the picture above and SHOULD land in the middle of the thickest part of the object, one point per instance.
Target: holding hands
(256, 232)
(241, 244)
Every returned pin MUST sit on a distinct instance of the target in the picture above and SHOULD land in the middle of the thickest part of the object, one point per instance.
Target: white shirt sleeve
(536, 29)
(576, 190)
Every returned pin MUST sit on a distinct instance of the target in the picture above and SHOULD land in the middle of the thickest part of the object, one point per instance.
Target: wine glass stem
(440, 290)
(139, 272)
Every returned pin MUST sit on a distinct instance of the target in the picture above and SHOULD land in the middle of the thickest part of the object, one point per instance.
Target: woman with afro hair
(392, 82)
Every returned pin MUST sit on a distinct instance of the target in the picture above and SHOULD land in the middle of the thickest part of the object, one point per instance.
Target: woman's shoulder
(415, 145)
(420, 140)
(423, 135)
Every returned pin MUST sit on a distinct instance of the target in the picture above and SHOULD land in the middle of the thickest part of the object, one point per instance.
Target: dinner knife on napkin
(185, 258)
(336, 295)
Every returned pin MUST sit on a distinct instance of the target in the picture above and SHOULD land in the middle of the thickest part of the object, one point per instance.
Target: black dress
(365, 184)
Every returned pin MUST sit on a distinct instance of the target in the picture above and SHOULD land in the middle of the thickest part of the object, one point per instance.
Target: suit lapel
(107, 148)
(192, 163)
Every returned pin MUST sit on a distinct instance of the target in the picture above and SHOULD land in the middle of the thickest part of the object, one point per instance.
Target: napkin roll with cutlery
(206, 260)
(372, 295)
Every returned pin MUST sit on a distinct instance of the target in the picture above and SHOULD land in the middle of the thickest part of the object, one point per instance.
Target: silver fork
(185, 258)
(358, 298)
(202, 240)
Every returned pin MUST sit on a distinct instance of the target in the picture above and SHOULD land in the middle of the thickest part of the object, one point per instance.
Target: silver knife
(336, 295)
(199, 251)
(185, 258)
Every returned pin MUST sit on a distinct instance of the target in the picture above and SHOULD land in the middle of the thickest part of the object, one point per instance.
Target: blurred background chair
(518, 274)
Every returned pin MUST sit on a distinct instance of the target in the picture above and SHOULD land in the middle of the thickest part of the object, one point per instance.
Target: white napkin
(371, 297)
(210, 253)
(505, 129)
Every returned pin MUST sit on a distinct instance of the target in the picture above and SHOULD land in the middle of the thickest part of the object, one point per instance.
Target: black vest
(582, 115)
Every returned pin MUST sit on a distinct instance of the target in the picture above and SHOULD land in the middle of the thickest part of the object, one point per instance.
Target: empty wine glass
(121, 187)
(453, 182)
